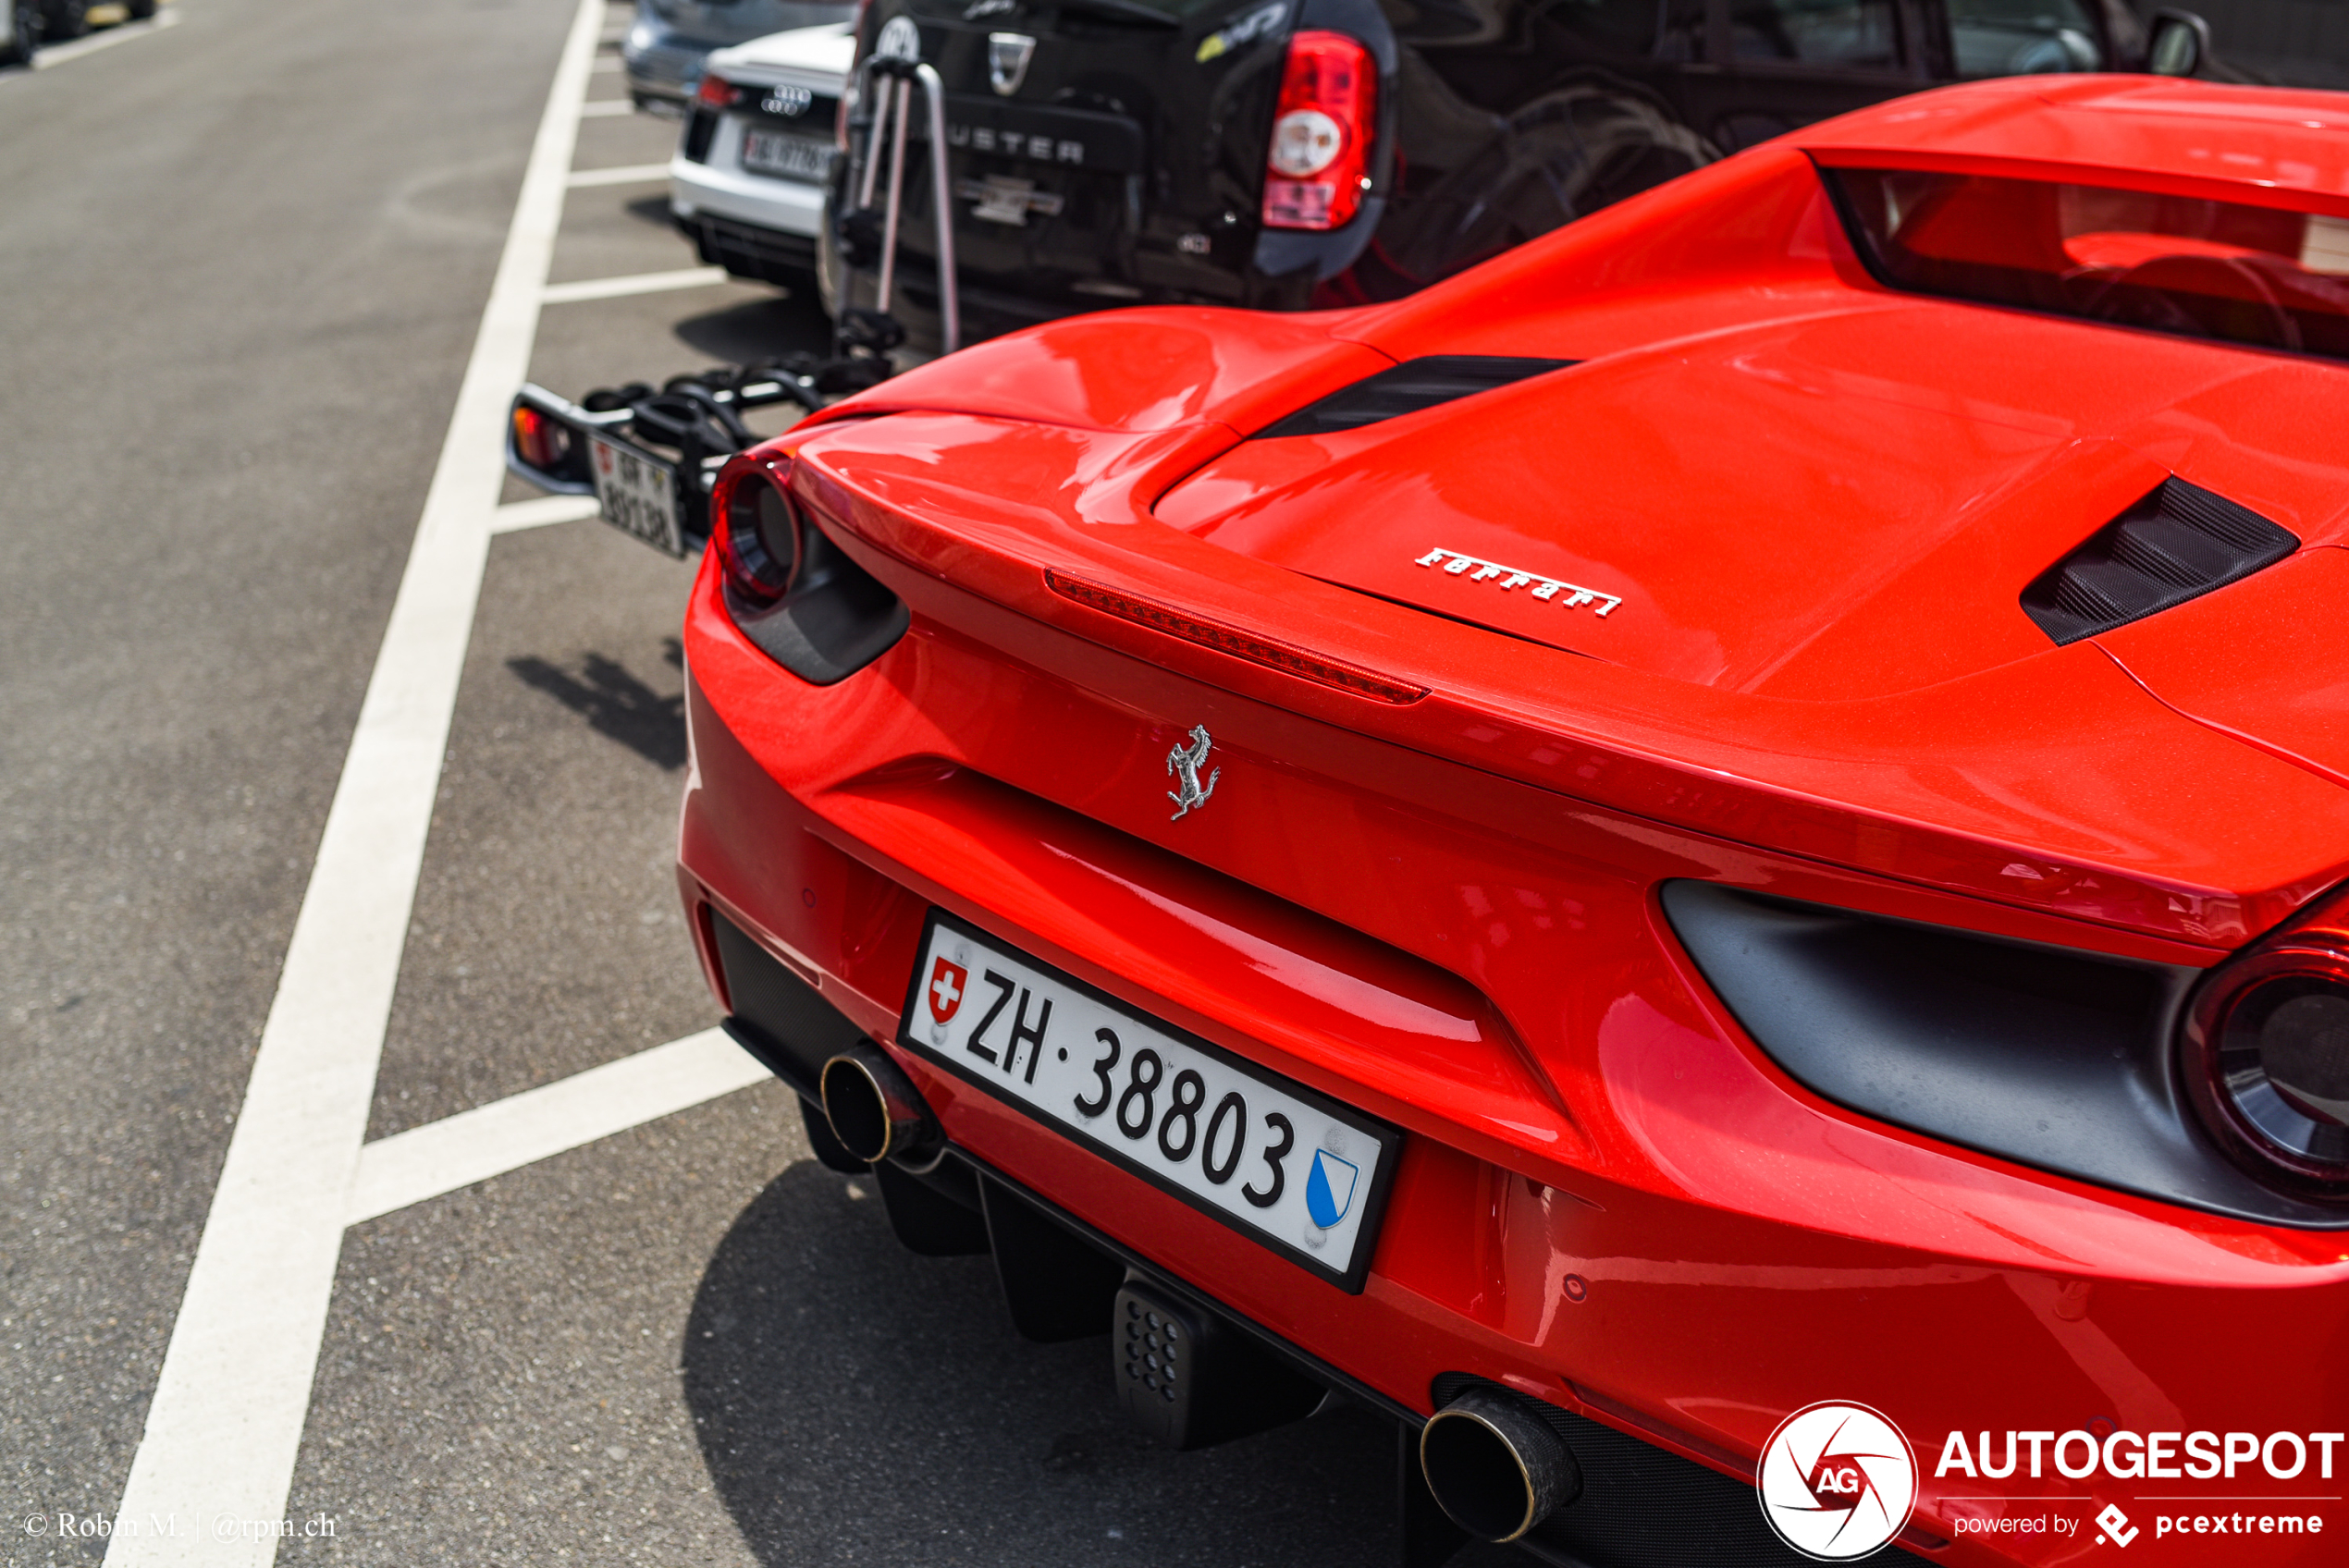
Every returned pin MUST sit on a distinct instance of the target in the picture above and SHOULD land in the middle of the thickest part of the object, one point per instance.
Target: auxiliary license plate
(638, 496)
(793, 157)
(1279, 1162)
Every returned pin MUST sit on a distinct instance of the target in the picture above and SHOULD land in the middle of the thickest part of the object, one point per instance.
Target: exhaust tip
(1494, 1466)
(875, 1110)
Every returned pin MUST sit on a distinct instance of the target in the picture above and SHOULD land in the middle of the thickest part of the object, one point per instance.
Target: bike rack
(893, 116)
(696, 417)
(699, 416)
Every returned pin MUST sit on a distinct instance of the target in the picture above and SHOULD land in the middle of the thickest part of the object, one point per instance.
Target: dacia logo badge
(788, 101)
(1007, 57)
(1184, 763)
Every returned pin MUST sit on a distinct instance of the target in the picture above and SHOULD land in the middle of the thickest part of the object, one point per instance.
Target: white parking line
(627, 174)
(224, 1427)
(641, 283)
(607, 108)
(506, 1134)
(541, 511)
(57, 55)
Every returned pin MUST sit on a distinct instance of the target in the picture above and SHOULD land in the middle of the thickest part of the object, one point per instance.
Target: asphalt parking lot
(249, 264)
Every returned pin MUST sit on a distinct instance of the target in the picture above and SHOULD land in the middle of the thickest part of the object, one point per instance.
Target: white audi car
(746, 185)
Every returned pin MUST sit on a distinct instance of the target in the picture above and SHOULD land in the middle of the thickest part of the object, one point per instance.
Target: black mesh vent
(2177, 544)
(1408, 387)
(1641, 1507)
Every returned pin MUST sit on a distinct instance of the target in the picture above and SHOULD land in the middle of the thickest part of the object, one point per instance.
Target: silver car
(669, 40)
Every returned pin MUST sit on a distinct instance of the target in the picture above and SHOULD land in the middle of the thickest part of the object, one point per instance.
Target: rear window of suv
(2270, 278)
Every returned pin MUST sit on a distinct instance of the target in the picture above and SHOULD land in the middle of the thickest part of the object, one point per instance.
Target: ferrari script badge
(1184, 763)
(1507, 577)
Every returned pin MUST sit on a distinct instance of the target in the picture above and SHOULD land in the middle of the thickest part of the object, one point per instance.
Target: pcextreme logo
(1837, 1481)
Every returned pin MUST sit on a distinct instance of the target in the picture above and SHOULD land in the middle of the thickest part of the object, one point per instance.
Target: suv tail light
(2267, 1055)
(1319, 163)
(717, 91)
(759, 532)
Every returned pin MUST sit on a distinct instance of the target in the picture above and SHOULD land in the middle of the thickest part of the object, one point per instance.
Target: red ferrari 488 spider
(1706, 863)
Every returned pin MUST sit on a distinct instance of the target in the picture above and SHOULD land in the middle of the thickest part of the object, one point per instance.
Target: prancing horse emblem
(1184, 761)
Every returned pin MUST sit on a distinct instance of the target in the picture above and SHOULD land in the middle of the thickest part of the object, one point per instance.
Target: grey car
(669, 40)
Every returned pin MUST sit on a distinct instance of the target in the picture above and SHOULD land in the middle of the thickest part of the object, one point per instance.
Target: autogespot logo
(1837, 1481)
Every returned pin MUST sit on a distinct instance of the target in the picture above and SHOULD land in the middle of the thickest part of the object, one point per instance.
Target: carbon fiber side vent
(1408, 387)
(2177, 544)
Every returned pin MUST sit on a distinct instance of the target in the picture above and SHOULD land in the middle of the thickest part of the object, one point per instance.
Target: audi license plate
(1272, 1158)
(793, 157)
(638, 496)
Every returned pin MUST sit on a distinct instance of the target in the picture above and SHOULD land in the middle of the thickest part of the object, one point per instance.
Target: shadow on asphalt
(855, 1403)
(653, 210)
(615, 704)
(761, 330)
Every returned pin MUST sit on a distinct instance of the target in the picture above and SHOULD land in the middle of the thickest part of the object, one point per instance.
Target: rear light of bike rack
(1318, 165)
(2266, 1056)
(758, 531)
(717, 91)
(541, 442)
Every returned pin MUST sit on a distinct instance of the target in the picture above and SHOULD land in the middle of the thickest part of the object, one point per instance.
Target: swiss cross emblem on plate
(947, 981)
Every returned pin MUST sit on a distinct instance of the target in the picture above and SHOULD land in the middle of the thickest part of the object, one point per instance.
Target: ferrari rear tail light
(1284, 656)
(718, 93)
(795, 593)
(541, 442)
(1319, 163)
(2267, 1057)
(758, 531)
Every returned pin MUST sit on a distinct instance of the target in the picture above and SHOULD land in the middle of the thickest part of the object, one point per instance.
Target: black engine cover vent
(2177, 544)
(1408, 387)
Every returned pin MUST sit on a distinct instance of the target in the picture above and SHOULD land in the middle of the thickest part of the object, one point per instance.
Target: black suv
(1291, 153)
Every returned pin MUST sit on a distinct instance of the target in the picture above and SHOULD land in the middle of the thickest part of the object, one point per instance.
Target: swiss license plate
(638, 496)
(794, 157)
(1279, 1162)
